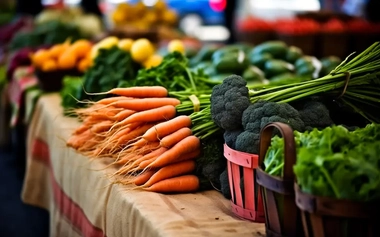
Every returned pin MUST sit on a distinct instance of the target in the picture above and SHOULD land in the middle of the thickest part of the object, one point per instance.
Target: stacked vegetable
(65, 56)
(271, 62)
(152, 146)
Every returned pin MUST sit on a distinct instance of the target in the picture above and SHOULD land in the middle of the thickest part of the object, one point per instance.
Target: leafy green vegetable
(72, 88)
(333, 162)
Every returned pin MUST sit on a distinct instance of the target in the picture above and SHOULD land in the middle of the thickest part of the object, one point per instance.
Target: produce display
(163, 115)
(140, 16)
(272, 62)
(65, 56)
(45, 34)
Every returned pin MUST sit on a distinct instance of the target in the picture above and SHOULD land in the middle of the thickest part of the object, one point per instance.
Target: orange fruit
(81, 47)
(57, 50)
(84, 64)
(67, 60)
(49, 65)
(39, 57)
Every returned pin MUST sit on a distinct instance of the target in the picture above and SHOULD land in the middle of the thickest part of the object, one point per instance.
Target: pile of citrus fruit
(65, 56)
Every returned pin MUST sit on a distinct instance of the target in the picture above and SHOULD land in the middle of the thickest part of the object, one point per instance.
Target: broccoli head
(230, 137)
(259, 114)
(248, 141)
(228, 101)
(315, 114)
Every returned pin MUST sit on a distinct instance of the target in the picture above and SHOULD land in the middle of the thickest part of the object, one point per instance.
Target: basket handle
(289, 149)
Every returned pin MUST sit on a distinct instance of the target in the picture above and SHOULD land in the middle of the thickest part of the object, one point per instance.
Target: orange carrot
(172, 139)
(101, 127)
(82, 128)
(171, 171)
(137, 91)
(167, 127)
(187, 156)
(151, 115)
(180, 184)
(110, 100)
(186, 145)
(123, 114)
(141, 178)
(145, 103)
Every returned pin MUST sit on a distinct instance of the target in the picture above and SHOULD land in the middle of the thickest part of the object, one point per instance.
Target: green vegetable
(259, 60)
(234, 62)
(204, 54)
(329, 64)
(71, 89)
(275, 67)
(333, 162)
(293, 54)
(253, 74)
(277, 49)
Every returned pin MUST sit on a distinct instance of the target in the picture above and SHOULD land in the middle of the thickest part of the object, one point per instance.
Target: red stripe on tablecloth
(67, 207)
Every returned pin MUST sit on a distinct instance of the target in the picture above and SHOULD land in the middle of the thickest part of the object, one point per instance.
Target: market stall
(82, 202)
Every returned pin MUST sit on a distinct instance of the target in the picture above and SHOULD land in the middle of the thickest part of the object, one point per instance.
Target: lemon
(176, 45)
(125, 44)
(106, 43)
(153, 61)
(141, 50)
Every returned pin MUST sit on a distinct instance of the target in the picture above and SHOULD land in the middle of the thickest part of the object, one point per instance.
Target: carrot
(171, 171)
(188, 156)
(179, 184)
(172, 139)
(101, 127)
(82, 128)
(137, 91)
(151, 115)
(135, 133)
(186, 145)
(167, 127)
(123, 114)
(141, 178)
(110, 100)
(145, 103)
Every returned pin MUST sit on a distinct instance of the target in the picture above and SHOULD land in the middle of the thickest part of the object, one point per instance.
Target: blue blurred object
(210, 11)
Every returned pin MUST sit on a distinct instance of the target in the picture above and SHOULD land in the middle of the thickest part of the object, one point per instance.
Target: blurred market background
(318, 27)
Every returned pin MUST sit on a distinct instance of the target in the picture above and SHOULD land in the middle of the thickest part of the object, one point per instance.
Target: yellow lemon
(106, 43)
(141, 50)
(176, 45)
(153, 61)
(125, 44)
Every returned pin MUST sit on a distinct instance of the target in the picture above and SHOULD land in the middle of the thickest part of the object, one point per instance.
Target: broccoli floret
(259, 114)
(248, 141)
(230, 137)
(225, 185)
(228, 101)
(315, 114)
(212, 161)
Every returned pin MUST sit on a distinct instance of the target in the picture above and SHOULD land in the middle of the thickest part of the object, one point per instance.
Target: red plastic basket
(249, 207)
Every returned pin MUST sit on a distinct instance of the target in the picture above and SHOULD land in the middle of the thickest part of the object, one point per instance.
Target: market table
(82, 202)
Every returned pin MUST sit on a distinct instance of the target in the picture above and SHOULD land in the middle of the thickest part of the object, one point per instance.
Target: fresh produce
(111, 67)
(141, 50)
(142, 17)
(71, 89)
(176, 45)
(333, 162)
(64, 56)
(49, 33)
(88, 24)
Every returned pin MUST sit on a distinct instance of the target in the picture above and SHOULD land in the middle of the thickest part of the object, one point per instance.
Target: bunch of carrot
(152, 146)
